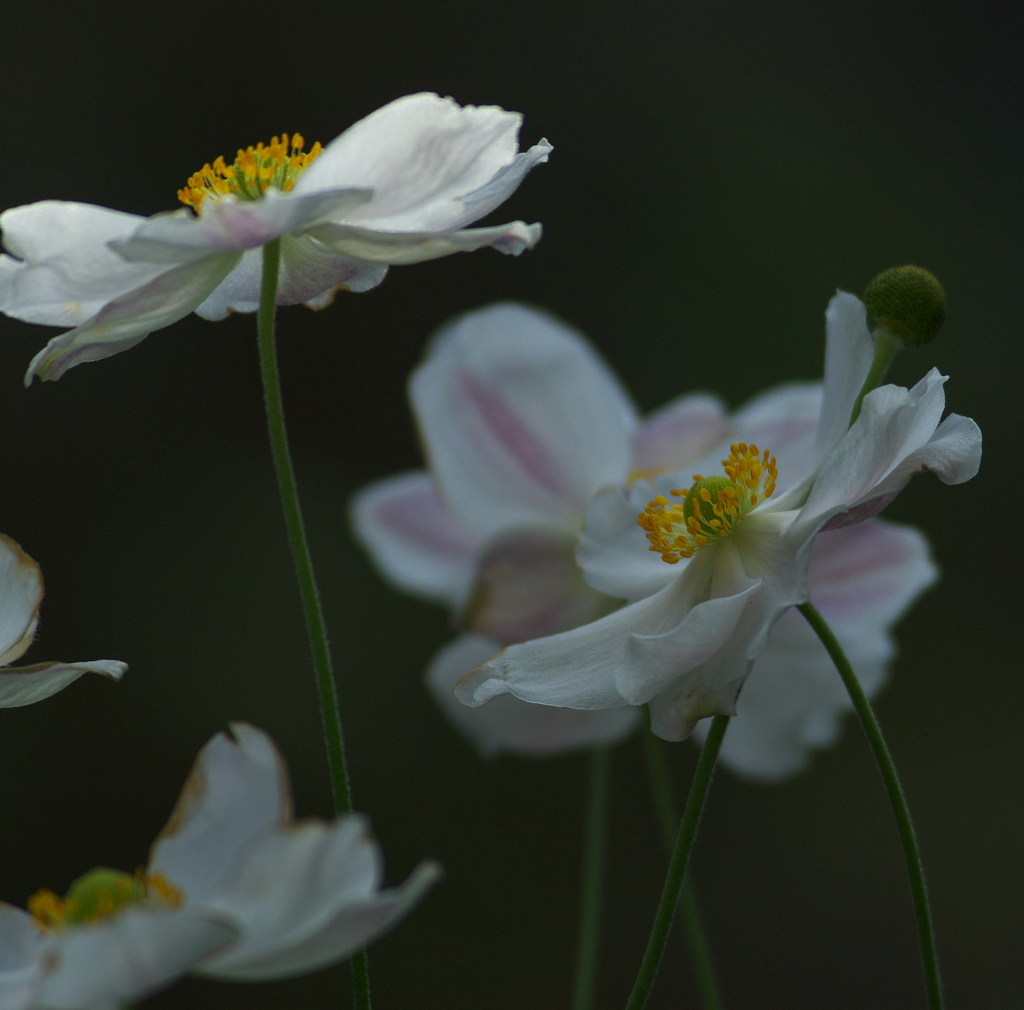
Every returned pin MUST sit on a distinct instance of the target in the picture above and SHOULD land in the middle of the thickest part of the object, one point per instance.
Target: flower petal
(433, 166)
(522, 422)
(21, 592)
(237, 790)
(28, 684)
(414, 540)
(67, 272)
(304, 897)
(508, 725)
(21, 960)
(125, 321)
(679, 432)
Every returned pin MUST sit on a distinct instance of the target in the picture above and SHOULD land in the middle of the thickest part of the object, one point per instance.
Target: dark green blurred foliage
(718, 172)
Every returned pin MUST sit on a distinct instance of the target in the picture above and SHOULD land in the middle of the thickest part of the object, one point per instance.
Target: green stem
(886, 346)
(925, 930)
(315, 626)
(594, 841)
(677, 864)
(693, 925)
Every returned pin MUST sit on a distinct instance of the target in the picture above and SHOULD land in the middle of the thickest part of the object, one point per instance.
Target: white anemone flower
(710, 562)
(400, 186)
(235, 890)
(523, 424)
(21, 592)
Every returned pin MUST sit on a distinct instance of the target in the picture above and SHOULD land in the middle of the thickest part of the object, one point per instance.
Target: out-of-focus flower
(737, 556)
(400, 186)
(235, 889)
(21, 592)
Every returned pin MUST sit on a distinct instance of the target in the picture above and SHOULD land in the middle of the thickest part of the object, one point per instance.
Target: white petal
(508, 725)
(127, 320)
(416, 542)
(21, 592)
(305, 897)
(112, 963)
(309, 273)
(21, 961)
(403, 248)
(679, 432)
(522, 422)
(432, 165)
(528, 585)
(68, 271)
(237, 790)
(28, 684)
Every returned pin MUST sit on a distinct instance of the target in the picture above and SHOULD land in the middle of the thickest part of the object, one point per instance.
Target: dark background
(719, 170)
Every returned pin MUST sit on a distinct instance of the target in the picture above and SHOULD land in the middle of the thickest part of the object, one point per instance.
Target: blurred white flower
(400, 186)
(21, 592)
(235, 889)
(737, 556)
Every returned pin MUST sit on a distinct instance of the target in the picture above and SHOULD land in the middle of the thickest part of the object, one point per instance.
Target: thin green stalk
(886, 346)
(677, 864)
(594, 842)
(689, 910)
(925, 930)
(315, 626)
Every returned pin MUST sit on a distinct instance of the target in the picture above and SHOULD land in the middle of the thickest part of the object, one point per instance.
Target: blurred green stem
(672, 891)
(315, 626)
(668, 818)
(915, 869)
(886, 346)
(594, 841)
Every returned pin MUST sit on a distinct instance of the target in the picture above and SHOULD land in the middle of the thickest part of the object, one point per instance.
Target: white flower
(235, 889)
(21, 592)
(738, 555)
(400, 186)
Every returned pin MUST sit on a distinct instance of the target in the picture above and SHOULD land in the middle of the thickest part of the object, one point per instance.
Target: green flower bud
(909, 302)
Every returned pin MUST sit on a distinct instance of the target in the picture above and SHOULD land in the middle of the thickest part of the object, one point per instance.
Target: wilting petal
(21, 592)
(21, 960)
(682, 431)
(237, 790)
(522, 422)
(508, 725)
(528, 585)
(414, 539)
(304, 897)
(26, 685)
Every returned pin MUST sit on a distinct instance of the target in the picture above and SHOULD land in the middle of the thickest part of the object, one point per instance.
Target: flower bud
(909, 302)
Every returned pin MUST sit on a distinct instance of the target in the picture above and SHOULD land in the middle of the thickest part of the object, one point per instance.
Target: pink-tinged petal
(432, 165)
(679, 432)
(414, 539)
(21, 959)
(21, 592)
(26, 685)
(309, 273)
(237, 790)
(528, 585)
(115, 962)
(849, 351)
(522, 422)
(65, 272)
(127, 320)
(305, 897)
(507, 725)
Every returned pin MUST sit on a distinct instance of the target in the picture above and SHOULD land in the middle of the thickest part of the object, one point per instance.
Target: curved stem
(886, 346)
(315, 626)
(925, 930)
(594, 841)
(677, 864)
(689, 910)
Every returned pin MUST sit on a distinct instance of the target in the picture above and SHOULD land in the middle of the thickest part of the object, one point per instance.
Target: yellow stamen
(712, 507)
(252, 173)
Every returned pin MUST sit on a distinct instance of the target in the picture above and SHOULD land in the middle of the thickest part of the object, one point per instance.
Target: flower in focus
(400, 186)
(710, 562)
(21, 592)
(235, 889)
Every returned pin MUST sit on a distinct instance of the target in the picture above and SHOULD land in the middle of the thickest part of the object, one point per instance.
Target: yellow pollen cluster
(99, 894)
(253, 171)
(712, 507)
